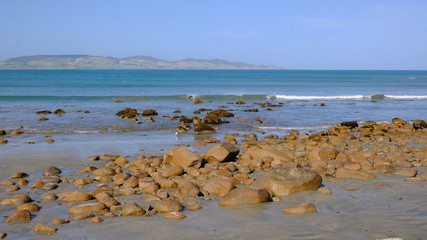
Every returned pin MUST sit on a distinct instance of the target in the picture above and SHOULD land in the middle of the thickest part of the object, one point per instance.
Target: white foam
(406, 96)
(295, 97)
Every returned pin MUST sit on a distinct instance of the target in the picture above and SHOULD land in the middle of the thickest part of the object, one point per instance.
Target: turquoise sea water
(309, 100)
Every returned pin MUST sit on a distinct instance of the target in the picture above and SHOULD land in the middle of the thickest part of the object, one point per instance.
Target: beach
(368, 147)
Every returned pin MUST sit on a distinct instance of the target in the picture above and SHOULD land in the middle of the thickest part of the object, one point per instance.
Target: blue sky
(305, 34)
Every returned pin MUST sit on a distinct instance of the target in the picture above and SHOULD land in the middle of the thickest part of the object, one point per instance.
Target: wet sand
(381, 208)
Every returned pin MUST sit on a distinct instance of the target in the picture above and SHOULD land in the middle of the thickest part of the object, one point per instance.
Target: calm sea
(309, 100)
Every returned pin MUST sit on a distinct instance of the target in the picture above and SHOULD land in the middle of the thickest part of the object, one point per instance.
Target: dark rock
(59, 111)
(2, 132)
(127, 113)
(149, 112)
(350, 124)
(419, 124)
(221, 113)
(182, 128)
(212, 119)
(41, 119)
(184, 119)
(251, 110)
(240, 102)
(201, 127)
(44, 112)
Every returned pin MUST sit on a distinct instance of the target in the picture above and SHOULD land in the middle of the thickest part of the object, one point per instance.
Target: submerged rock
(201, 127)
(127, 113)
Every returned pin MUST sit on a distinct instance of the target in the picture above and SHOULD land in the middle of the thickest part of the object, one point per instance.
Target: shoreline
(390, 205)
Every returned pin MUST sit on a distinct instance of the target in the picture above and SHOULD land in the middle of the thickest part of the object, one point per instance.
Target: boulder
(86, 208)
(59, 111)
(32, 207)
(268, 151)
(74, 196)
(223, 152)
(201, 127)
(212, 119)
(221, 113)
(419, 124)
(127, 113)
(350, 124)
(104, 171)
(180, 156)
(186, 188)
(168, 205)
(244, 195)
(52, 171)
(120, 178)
(218, 186)
(286, 181)
(132, 209)
(172, 171)
(300, 209)
(20, 216)
(149, 112)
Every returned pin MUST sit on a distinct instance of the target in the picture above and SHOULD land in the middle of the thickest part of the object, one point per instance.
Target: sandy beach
(388, 206)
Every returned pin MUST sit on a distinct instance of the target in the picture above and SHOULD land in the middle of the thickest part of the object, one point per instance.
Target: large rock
(201, 127)
(86, 208)
(268, 151)
(350, 124)
(244, 195)
(212, 119)
(222, 153)
(218, 186)
(20, 216)
(74, 196)
(127, 113)
(285, 181)
(419, 124)
(186, 188)
(133, 209)
(168, 205)
(149, 112)
(221, 113)
(52, 171)
(180, 156)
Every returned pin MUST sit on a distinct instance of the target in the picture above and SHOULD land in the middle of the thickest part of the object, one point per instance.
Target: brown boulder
(132, 182)
(419, 124)
(104, 171)
(20, 216)
(127, 113)
(32, 207)
(221, 113)
(268, 151)
(180, 156)
(222, 152)
(168, 205)
(212, 119)
(132, 209)
(244, 195)
(350, 124)
(74, 196)
(86, 208)
(120, 178)
(218, 187)
(172, 171)
(201, 127)
(285, 181)
(186, 188)
(41, 228)
(149, 112)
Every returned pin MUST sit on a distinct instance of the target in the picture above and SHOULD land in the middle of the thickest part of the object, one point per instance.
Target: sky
(304, 34)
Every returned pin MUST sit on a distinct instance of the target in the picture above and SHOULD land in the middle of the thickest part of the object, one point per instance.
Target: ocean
(302, 100)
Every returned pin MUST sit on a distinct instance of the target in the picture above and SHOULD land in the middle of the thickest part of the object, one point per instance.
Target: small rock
(60, 221)
(86, 208)
(174, 215)
(324, 190)
(244, 195)
(82, 216)
(49, 186)
(3, 235)
(41, 228)
(32, 207)
(97, 220)
(49, 197)
(149, 112)
(52, 171)
(17, 175)
(74, 196)
(300, 209)
(59, 111)
(168, 205)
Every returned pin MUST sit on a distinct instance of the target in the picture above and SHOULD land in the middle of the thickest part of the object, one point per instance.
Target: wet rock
(174, 215)
(201, 127)
(60, 221)
(149, 112)
(240, 102)
(44, 112)
(352, 174)
(223, 152)
(19, 216)
(419, 124)
(41, 228)
(59, 111)
(7, 183)
(3, 235)
(2, 132)
(93, 158)
(324, 190)
(212, 119)
(244, 195)
(131, 182)
(179, 156)
(168, 205)
(350, 124)
(86, 208)
(82, 182)
(132, 209)
(218, 187)
(49, 186)
(182, 128)
(407, 173)
(82, 216)
(172, 171)
(42, 119)
(120, 178)
(52, 171)
(149, 186)
(17, 198)
(13, 189)
(104, 171)
(127, 113)
(286, 181)
(300, 209)
(198, 101)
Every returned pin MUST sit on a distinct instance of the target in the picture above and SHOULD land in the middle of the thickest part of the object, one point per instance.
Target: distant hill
(135, 62)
